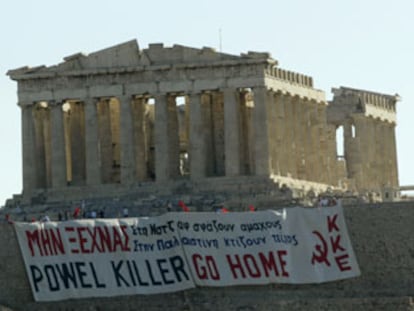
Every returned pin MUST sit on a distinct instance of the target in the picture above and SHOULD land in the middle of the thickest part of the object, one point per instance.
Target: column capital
(124, 97)
(197, 92)
(25, 104)
(104, 99)
(260, 87)
(55, 103)
(229, 90)
(90, 100)
(296, 98)
(159, 95)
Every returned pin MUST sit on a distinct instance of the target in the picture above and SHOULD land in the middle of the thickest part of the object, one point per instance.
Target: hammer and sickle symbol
(321, 254)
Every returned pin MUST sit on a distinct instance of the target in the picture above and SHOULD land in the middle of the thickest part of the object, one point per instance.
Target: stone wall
(382, 237)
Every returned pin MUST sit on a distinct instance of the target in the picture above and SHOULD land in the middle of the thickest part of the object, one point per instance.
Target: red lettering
(82, 240)
(205, 271)
(342, 262)
(94, 243)
(48, 242)
(117, 239)
(201, 271)
(234, 266)
(45, 242)
(104, 238)
(126, 247)
(254, 265)
(212, 268)
(33, 240)
(332, 223)
(250, 262)
(98, 239)
(268, 263)
(281, 254)
(72, 240)
(57, 242)
(336, 244)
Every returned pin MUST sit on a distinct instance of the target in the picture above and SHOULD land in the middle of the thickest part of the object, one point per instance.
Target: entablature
(370, 100)
(349, 101)
(295, 89)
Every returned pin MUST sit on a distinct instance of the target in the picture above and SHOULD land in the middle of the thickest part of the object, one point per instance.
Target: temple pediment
(121, 55)
(128, 54)
(157, 54)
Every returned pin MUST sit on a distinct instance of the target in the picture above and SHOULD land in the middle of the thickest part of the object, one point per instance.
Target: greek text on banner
(178, 251)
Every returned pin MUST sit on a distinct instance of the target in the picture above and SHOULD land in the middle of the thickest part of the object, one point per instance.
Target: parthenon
(125, 115)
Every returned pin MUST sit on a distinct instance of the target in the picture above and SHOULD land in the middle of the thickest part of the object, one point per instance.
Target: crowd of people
(82, 212)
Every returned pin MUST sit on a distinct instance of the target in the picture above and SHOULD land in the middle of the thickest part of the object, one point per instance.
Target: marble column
(139, 135)
(371, 151)
(329, 153)
(28, 149)
(299, 126)
(354, 157)
(394, 162)
(307, 140)
(327, 148)
(386, 155)
(282, 135)
(378, 153)
(47, 145)
(246, 107)
(197, 148)
(105, 140)
(231, 132)
(368, 149)
(218, 133)
(127, 141)
(173, 138)
(208, 128)
(274, 134)
(291, 136)
(40, 118)
(279, 167)
(261, 131)
(77, 133)
(162, 158)
(93, 162)
(312, 160)
(58, 154)
(361, 140)
(349, 153)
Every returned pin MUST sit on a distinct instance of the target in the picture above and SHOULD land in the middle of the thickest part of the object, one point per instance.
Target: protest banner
(178, 251)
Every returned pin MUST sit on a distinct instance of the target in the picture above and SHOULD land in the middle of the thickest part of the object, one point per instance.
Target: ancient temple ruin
(125, 116)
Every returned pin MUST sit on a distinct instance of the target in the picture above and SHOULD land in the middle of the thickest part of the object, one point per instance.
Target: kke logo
(330, 246)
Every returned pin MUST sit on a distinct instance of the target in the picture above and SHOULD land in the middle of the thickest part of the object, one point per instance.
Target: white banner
(177, 251)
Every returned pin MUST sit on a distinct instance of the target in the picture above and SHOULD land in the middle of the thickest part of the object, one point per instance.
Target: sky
(361, 44)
